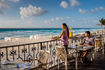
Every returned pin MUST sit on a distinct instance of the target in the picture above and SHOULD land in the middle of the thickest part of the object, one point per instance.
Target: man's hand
(88, 44)
(81, 44)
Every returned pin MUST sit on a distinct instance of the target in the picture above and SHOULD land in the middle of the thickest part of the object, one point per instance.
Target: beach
(22, 40)
(27, 32)
(9, 41)
(23, 36)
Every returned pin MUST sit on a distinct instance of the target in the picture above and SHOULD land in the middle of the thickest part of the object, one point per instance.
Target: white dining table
(84, 48)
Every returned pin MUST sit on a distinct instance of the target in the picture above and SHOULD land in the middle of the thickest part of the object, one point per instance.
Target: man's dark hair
(88, 32)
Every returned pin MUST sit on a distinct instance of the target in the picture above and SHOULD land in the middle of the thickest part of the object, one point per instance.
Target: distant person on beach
(71, 32)
(64, 36)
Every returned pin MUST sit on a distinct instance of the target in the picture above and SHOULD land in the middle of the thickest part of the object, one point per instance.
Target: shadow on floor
(97, 64)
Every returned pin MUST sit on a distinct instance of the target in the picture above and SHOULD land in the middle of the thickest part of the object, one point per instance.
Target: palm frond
(102, 21)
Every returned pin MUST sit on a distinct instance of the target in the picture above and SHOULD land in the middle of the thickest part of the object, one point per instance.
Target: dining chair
(61, 55)
(42, 60)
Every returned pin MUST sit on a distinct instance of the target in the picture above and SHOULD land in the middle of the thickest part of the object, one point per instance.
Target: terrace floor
(97, 64)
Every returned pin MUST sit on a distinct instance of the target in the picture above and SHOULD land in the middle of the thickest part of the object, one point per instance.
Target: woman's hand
(55, 38)
(58, 37)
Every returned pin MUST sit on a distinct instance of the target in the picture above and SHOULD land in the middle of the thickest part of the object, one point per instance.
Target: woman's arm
(60, 35)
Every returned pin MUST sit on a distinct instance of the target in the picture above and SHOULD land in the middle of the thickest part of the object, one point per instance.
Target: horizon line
(44, 28)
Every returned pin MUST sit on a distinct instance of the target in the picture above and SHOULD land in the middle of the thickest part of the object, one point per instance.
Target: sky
(51, 13)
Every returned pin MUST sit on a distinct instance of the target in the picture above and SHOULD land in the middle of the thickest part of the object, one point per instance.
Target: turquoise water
(26, 32)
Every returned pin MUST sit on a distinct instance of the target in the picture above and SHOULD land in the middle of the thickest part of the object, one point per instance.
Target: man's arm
(88, 44)
(92, 43)
(82, 43)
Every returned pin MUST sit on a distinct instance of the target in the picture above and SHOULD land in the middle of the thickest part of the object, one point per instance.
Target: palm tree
(102, 22)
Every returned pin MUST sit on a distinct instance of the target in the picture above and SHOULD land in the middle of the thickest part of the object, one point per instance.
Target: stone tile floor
(97, 64)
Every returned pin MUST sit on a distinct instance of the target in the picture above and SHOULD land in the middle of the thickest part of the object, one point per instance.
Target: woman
(64, 36)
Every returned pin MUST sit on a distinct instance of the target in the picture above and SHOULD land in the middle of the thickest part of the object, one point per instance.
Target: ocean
(26, 32)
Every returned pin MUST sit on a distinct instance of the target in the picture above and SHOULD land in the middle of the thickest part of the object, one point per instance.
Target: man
(87, 41)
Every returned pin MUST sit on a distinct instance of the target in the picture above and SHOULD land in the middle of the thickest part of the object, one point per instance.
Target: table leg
(92, 55)
(103, 50)
(76, 61)
(0, 61)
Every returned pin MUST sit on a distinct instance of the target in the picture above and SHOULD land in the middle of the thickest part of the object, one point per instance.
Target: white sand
(17, 41)
(21, 40)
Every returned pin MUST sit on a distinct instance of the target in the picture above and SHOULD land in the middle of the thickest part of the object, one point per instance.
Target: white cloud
(64, 4)
(74, 3)
(31, 11)
(57, 19)
(101, 8)
(14, 0)
(94, 10)
(82, 11)
(3, 5)
(68, 17)
(17, 23)
(52, 19)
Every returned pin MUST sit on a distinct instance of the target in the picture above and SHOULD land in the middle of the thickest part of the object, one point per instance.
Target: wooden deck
(97, 64)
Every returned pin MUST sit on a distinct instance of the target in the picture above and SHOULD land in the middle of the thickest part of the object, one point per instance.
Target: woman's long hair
(64, 24)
